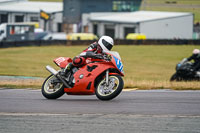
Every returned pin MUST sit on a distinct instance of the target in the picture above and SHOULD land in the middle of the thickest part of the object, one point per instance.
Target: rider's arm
(190, 58)
(91, 54)
(87, 53)
(91, 48)
(193, 57)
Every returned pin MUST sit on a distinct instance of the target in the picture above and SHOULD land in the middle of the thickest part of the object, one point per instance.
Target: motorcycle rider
(196, 57)
(95, 50)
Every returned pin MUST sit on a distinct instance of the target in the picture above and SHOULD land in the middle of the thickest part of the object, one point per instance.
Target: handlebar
(183, 61)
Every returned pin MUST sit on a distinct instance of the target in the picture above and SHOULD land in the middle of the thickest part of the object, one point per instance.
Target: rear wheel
(108, 92)
(52, 90)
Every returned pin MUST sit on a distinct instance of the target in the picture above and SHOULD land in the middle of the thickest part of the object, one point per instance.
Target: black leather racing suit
(196, 58)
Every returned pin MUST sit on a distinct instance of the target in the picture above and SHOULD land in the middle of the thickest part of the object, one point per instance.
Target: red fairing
(81, 84)
(62, 61)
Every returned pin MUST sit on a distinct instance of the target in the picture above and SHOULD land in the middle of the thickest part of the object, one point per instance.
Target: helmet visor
(107, 44)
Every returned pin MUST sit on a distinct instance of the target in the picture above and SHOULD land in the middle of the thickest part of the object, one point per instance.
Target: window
(15, 30)
(128, 30)
(18, 29)
(12, 30)
(125, 6)
(34, 19)
(19, 18)
(59, 27)
(3, 18)
(95, 29)
(109, 30)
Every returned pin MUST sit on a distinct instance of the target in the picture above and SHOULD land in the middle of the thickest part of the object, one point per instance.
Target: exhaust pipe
(54, 72)
(51, 70)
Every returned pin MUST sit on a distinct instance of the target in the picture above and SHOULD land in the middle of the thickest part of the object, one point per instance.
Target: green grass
(31, 61)
(145, 66)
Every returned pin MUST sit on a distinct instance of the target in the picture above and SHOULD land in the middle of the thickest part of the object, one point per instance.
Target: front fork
(107, 77)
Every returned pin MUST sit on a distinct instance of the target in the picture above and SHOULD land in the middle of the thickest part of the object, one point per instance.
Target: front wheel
(52, 89)
(176, 77)
(108, 92)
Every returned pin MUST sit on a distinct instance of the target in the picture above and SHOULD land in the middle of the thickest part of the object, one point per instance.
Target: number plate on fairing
(119, 64)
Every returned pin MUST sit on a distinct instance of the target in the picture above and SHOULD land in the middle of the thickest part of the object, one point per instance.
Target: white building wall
(27, 16)
(171, 28)
(117, 31)
(100, 29)
(51, 25)
(180, 27)
(57, 18)
(90, 28)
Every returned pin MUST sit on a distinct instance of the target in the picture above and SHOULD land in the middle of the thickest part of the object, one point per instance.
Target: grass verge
(148, 85)
(20, 84)
(129, 84)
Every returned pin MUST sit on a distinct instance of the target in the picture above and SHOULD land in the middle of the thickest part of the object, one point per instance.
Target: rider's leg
(68, 67)
(197, 69)
(77, 62)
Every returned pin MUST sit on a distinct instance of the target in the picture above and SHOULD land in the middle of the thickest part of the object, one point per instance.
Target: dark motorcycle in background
(185, 72)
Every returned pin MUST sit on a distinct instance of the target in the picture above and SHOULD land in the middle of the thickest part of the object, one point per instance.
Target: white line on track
(110, 115)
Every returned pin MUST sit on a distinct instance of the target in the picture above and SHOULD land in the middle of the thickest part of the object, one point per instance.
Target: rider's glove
(99, 56)
(109, 57)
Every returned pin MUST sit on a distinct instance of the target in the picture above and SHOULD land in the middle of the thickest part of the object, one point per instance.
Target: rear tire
(52, 91)
(116, 84)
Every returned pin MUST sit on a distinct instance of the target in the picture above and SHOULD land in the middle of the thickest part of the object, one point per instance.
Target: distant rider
(95, 50)
(196, 57)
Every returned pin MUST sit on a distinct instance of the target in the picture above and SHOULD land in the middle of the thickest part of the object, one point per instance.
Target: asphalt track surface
(156, 111)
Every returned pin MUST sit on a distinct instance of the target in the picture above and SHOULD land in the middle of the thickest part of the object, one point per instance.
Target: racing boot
(197, 74)
(68, 68)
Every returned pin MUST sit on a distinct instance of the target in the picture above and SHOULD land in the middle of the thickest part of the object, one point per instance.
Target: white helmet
(196, 51)
(106, 43)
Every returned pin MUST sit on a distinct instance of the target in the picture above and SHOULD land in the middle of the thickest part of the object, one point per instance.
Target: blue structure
(74, 8)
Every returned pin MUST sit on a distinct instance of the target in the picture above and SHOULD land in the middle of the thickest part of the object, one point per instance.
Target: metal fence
(87, 42)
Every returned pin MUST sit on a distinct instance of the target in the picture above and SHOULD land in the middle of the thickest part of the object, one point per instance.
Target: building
(12, 11)
(155, 25)
(73, 10)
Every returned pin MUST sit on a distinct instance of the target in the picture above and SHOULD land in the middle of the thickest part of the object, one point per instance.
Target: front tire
(52, 91)
(104, 92)
(176, 77)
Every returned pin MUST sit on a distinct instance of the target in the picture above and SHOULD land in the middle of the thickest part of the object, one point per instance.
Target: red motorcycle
(100, 76)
